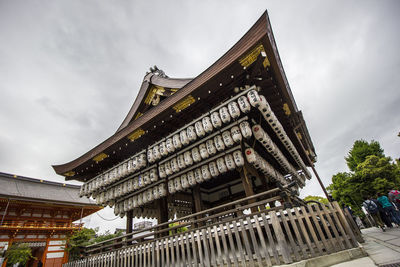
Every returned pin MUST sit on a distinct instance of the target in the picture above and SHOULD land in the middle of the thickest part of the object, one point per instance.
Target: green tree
(371, 174)
(78, 240)
(18, 254)
(316, 198)
(359, 152)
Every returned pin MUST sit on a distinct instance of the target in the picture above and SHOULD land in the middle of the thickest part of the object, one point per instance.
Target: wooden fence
(262, 238)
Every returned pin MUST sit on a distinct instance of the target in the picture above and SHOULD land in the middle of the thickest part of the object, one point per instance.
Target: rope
(105, 218)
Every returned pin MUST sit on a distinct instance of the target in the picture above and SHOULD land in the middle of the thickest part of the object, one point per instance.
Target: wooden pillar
(45, 250)
(198, 206)
(248, 189)
(129, 222)
(162, 217)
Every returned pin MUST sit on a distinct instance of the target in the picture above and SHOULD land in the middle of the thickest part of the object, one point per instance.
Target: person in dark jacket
(382, 213)
(372, 208)
(389, 209)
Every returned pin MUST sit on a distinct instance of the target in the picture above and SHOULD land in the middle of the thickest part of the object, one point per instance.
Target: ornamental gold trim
(100, 157)
(69, 174)
(136, 134)
(184, 103)
(251, 57)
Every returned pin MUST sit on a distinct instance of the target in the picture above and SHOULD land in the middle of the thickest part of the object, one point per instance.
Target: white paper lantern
(187, 156)
(227, 138)
(174, 165)
(146, 178)
(150, 156)
(210, 147)
(156, 194)
(199, 129)
(177, 183)
(171, 187)
(162, 190)
(140, 199)
(130, 185)
(161, 171)
(198, 176)
(144, 196)
(126, 205)
(142, 160)
(224, 115)
(163, 149)
(254, 98)
(238, 158)
(129, 168)
(184, 138)
(153, 175)
(250, 155)
(191, 179)
(203, 151)
(216, 120)
(120, 170)
(205, 173)
(219, 143)
(141, 180)
(167, 166)
(196, 154)
(230, 163)
(135, 183)
(207, 125)
(181, 162)
(245, 129)
(156, 152)
(125, 188)
(134, 201)
(236, 134)
(191, 133)
(170, 145)
(116, 210)
(234, 110)
(264, 106)
(176, 141)
(221, 165)
(135, 165)
(244, 104)
(130, 202)
(149, 195)
(184, 181)
(212, 166)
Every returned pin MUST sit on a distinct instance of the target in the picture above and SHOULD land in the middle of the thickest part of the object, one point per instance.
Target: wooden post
(162, 217)
(45, 250)
(129, 222)
(247, 186)
(197, 202)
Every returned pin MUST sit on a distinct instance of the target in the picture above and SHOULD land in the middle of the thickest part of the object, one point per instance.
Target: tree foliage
(316, 198)
(371, 174)
(85, 237)
(360, 151)
(18, 253)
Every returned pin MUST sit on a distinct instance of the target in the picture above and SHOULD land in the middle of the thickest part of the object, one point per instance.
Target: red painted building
(41, 214)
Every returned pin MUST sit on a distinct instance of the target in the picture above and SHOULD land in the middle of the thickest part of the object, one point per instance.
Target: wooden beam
(248, 189)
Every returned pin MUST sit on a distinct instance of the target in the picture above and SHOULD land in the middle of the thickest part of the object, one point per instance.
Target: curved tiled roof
(24, 188)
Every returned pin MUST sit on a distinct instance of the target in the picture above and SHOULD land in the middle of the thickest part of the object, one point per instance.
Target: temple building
(208, 157)
(41, 214)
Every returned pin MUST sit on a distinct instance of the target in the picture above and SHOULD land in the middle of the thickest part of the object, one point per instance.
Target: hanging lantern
(184, 181)
(205, 173)
(212, 166)
(207, 125)
(191, 179)
(254, 98)
(224, 115)
(163, 149)
(162, 190)
(184, 138)
(156, 152)
(198, 176)
(219, 143)
(134, 201)
(161, 171)
(236, 134)
(196, 154)
(221, 165)
(203, 151)
(181, 162)
(245, 129)
(177, 184)
(170, 145)
(227, 138)
(238, 158)
(171, 187)
(187, 156)
(150, 156)
(176, 141)
(174, 165)
(210, 147)
(167, 166)
(216, 120)
(234, 110)
(191, 133)
(244, 104)
(156, 194)
(230, 164)
(153, 175)
(199, 129)
(146, 178)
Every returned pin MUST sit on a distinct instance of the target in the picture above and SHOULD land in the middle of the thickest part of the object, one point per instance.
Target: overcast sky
(70, 71)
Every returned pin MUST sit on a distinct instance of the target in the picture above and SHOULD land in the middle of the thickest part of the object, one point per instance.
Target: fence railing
(263, 237)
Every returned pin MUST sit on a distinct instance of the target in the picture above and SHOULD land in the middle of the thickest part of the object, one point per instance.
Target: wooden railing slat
(224, 244)
(271, 240)
(264, 250)
(312, 231)
(232, 244)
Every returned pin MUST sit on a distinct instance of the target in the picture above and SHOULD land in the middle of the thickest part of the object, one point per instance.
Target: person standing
(371, 207)
(389, 209)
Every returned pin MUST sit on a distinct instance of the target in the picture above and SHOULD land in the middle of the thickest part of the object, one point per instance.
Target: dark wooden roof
(30, 189)
(208, 89)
